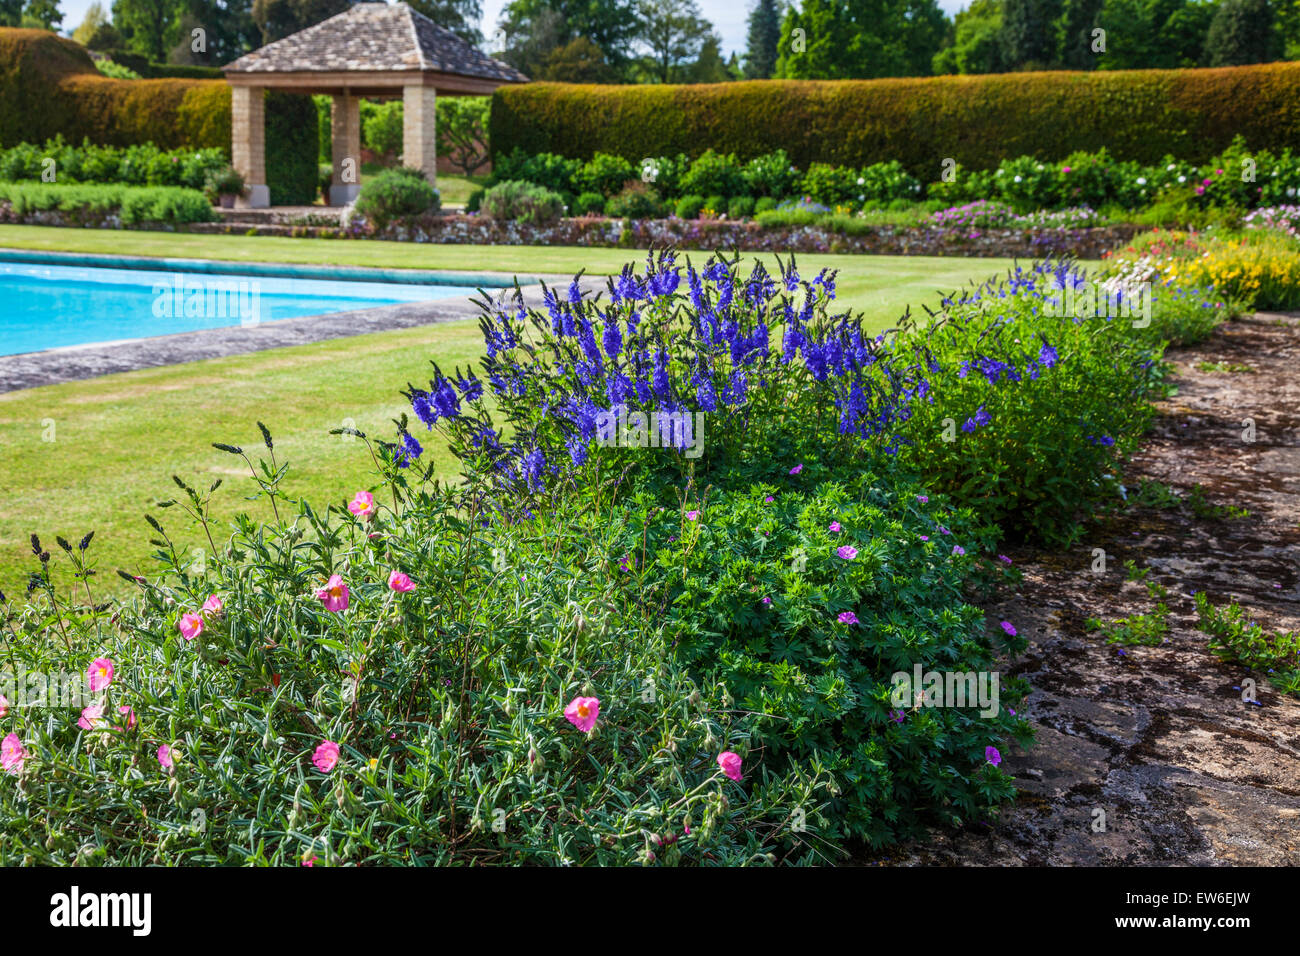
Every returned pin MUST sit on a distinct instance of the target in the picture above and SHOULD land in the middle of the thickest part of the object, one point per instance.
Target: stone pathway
(1159, 738)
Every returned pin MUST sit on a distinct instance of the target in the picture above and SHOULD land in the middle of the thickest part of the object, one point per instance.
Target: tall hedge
(976, 120)
(50, 87)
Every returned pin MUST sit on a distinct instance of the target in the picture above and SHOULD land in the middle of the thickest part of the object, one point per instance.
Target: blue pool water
(44, 306)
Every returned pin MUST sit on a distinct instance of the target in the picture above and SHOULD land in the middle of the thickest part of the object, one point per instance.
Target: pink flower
(692, 515)
(92, 717)
(958, 551)
(165, 758)
(992, 756)
(1004, 559)
(334, 594)
(397, 581)
(363, 505)
(847, 552)
(190, 625)
(730, 764)
(796, 469)
(100, 673)
(925, 537)
(582, 713)
(767, 600)
(129, 714)
(212, 606)
(326, 756)
(847, 617)
(769, 499)
(12, 754)
(1065, 169)
(4, 706)
(835, 527)
(1009, 628)
(924, 499)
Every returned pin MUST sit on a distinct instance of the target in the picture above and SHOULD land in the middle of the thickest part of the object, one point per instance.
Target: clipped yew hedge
(49, 86)
(977, 120)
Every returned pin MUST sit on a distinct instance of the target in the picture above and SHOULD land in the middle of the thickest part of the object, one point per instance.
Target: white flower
(1142, 180)
(861, 180)
(1169, 168)
(1182, 179)
(1017, 179)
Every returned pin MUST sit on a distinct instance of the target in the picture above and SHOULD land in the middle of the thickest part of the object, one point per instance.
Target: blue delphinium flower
(407, 451)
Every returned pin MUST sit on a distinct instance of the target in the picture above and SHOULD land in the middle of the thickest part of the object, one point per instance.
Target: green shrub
(445, 703)
(771, 176)
(394, 194)
(223, 182)
(759, 594)
(475, 200)
(140, 165)
(636, 201)
(605, 174)
(589, 204)
(717, 205)
(292, 176)
(688, 207)
(764, 204)
(1138, 115)
(831, 185)
(381, 127)
(742, 207)
(135, 204)
(524, 201)
(545, 169)
(713, 174)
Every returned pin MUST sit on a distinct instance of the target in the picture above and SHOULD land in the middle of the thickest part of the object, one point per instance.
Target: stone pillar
(248, 144)
(345, 139)
(419, 130)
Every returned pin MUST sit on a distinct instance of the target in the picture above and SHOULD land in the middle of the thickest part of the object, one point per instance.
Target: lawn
(97, 455)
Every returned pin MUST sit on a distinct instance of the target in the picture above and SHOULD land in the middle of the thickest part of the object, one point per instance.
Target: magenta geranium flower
(958, 550)
(190, 625)
(12, 754)
(692, 515)
(334, 595)
(835, 527)
(582, 713)
(1009, 628)
(924, 499)
(796, 469)
(730, 764)
(100, 673)
(847, 552)
(848, 617)
(363, 505)
(165, 758)
(326, 756)
(1004, 559)
(400, 582)
(992, 756)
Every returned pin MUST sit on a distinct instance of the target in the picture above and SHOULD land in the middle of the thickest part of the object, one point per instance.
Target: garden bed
(1158, 737)
(718, 234)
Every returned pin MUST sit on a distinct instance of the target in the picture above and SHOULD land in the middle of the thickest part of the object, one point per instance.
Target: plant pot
(227, 200)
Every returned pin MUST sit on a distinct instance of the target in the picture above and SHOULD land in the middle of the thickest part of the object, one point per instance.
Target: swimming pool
(45, 305)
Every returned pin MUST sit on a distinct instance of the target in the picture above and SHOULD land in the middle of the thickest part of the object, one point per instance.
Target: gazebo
(371, 51)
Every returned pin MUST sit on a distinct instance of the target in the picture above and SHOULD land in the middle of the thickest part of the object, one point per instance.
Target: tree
(461, 17)
(610, 24)
(1074, 34)
(860, 39)
(976, 45)
(528, 39)
(147, 25)
(228, 32)
(44, 12)
(764, 37)
(578, 61)
(278, 18)
(462, 131)
(672, 32)
(709, 66)
(94, 19)
(11, 13)
(1242, 31)
(1027, 36)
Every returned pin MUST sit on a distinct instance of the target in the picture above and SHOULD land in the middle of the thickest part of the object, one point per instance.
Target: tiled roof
(378, 37)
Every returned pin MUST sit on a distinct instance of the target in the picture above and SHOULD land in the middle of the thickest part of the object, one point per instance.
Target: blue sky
(727, 16)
